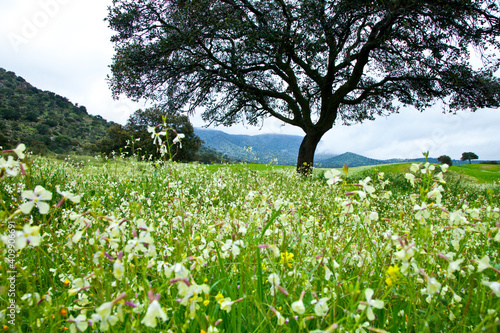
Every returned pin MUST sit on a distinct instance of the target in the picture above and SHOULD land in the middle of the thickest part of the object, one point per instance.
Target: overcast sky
(63, 46)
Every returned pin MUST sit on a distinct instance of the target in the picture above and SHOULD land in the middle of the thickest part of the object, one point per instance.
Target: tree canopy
(139, 122)
(135, 139)
(468, 156)
(445, 159)
(309, 63)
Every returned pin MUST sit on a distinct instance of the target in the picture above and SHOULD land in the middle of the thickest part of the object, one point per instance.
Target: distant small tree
(468, 157)
(9, 114)
(83, 109)
(445, 159)
(4, 142)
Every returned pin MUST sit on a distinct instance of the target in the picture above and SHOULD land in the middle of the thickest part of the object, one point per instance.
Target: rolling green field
(483, 173)
(471, 173)
(128, 246)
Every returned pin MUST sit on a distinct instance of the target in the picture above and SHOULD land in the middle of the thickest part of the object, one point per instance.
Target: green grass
(473, 173)
(394, 168)
(247, 166)
(247, 248)
(482, 173)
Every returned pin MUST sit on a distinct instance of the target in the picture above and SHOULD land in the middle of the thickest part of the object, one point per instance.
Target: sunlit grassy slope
(477, 173)
(480, 173)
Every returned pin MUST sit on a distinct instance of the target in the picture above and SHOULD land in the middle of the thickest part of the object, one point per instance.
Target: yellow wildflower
(287, 258)
(393, 274)
(219, 298)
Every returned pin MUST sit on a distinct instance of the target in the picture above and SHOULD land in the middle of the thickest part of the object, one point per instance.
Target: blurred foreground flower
(370, 303)
(274, 280)
(80, 323)
(178, 139)
(36, 197)
(154, 311)
(298, 306)
(67, 195)
(321, 307)
(495, 287)
(104, 316)
(29, 235)
(333, 176)
(483, 264)
(156, 136)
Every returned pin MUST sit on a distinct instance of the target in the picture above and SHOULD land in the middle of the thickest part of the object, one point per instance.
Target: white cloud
(409, 133)
(63, 46)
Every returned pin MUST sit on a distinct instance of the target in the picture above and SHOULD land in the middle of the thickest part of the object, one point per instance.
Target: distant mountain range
(262, 148)
(355, 160)
(283, 149)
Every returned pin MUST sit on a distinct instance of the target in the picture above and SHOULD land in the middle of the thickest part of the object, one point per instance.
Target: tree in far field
(445, 159)
(308, 63)
(139, 122)
(468, 157)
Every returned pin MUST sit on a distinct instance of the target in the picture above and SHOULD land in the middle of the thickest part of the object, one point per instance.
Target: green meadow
(129, 246)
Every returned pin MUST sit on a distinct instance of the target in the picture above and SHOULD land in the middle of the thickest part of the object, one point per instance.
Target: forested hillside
(45, 121)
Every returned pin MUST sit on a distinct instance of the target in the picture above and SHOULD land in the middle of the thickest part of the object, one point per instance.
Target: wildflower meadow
(129, 245)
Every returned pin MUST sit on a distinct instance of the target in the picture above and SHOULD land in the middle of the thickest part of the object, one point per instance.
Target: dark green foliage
(38, 147)
(445, 159)
(45, 121)
(43, 128)
(82, 109)
(308, 63)
(468, 156)
(115, 140)
(139, 122)
(10, 114)
(50, 122)
(4, 142)
(31, 116)
(209, 156)
(398, 183)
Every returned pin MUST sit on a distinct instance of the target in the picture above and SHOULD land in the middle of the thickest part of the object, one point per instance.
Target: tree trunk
(307, 149)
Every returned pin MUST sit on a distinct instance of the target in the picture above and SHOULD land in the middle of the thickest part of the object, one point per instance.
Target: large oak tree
(309, 63)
